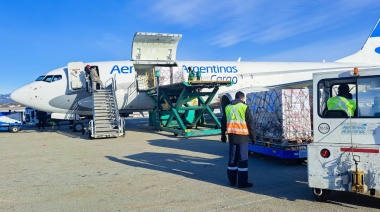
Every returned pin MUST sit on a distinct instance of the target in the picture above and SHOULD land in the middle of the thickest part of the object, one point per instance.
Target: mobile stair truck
(345, 154)
(11, 121)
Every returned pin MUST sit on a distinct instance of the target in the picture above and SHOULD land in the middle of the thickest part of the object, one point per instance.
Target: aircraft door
(76, 76)
(155, 46)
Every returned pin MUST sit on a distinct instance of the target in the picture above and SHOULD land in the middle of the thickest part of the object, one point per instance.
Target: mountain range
(6, 99)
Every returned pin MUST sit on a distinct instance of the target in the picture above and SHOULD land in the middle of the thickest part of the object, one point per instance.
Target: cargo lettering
(233, 79)
(122, 69)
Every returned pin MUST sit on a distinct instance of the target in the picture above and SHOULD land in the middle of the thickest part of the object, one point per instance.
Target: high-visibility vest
(341, 103)
(235, 115)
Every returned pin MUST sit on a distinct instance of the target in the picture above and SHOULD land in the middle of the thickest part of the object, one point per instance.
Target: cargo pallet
(181, 116)
(295, 152)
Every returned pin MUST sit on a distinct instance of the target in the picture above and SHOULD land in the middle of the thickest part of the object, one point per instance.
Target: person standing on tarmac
(95, 78)
(237, 121)
(41, 116)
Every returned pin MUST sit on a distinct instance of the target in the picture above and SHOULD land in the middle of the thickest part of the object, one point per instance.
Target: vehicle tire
(321, 195)
(14, 129)
(78, 127)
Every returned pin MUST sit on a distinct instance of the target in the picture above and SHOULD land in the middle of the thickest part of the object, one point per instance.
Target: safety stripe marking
(359, 150)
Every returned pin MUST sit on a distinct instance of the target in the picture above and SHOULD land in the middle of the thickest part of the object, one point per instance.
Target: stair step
(107, 127)
(104, 121)
(106, 131)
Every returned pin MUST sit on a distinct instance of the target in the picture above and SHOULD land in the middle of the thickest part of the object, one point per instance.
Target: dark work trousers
(237, 169)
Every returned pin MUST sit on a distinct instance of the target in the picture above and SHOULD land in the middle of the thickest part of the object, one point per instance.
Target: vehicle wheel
(78, 127)
(321, 195)
(14, 129)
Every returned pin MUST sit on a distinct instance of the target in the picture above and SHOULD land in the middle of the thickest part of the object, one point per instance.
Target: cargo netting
(282, 116)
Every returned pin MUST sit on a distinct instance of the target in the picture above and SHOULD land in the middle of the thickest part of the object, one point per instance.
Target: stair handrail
(93, 115)
(113, 90)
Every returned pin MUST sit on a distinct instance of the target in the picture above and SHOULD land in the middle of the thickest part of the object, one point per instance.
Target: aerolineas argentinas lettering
(122, 69)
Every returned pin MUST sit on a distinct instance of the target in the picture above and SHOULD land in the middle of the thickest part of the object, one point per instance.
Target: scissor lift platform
(180, 108)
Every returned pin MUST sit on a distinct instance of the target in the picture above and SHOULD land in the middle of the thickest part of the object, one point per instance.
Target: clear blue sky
(40, 35)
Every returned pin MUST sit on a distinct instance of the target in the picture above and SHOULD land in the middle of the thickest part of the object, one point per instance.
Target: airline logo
(376, 31)
(212, 69)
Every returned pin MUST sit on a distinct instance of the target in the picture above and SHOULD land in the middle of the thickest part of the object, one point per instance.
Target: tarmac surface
(148, 171)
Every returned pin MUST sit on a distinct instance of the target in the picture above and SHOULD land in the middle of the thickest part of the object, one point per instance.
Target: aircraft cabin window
(40, 78)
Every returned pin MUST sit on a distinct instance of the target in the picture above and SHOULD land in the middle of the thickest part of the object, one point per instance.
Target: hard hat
(88, 66)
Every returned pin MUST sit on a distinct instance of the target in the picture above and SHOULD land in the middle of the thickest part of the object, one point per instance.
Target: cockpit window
(40, 78)
(48, 78)
(57, 77)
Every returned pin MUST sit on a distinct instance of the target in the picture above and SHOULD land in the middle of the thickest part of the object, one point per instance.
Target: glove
(252, 139)
(224, 138)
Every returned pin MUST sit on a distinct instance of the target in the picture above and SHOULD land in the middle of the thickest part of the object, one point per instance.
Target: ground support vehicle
(11, 121)
(345, 153)
(177, 112)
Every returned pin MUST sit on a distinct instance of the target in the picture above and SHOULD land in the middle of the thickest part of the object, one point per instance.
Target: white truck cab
(345, 154)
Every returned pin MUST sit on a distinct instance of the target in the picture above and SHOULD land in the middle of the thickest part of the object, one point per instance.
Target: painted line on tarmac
(247, 203)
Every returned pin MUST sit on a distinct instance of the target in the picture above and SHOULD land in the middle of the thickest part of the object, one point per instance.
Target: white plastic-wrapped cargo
(168, 75)
(282, 116)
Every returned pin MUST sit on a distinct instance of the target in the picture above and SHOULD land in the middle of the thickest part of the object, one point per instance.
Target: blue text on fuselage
(122, 69)
(212, 69)
(233, 79)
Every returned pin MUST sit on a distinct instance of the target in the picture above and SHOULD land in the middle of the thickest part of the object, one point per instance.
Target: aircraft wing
(293, 85)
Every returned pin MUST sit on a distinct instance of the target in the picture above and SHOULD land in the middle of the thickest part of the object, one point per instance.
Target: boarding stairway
(106, 122)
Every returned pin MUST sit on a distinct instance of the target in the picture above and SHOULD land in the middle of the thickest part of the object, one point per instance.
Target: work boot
(243, 179)
(232, 176)
(247, 185)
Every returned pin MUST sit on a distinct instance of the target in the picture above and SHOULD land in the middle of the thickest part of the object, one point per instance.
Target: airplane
(64, 91)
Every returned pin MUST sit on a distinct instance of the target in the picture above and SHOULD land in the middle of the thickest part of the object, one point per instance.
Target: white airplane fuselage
(57, 97)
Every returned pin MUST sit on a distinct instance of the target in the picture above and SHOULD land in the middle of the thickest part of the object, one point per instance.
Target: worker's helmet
(88, 66)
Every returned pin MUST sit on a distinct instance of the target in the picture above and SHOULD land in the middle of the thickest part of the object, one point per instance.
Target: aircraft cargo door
(76, 76)
(155, 46)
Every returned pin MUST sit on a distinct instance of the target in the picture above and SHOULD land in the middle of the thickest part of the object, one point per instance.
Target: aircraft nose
(21, 95)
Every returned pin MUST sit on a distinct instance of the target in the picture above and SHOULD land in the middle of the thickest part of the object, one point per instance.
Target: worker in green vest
(237, 121)
(343, 101)
(199, 74)
(191, 75)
